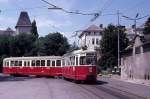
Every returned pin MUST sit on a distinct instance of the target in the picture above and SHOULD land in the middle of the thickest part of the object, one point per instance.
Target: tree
(34, 29)
(54, 44)
(109, 46)
(23, 45)
(147, 26)
(73, 46)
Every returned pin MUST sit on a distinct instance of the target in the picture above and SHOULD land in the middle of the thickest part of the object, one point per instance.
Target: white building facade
(91, 37)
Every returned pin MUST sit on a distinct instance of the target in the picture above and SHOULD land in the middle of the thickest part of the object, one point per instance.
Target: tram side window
(16, 63)
(63, 62)
(24, 63)
(42, 62)
(33, 63)
(7, 63)
(28, 63)
(48, 63)
(20, 63)
(82, 60)
(76, 61)
(38, 63)
(53, 63)
(73, 60)
(58, 62)
(12, 63)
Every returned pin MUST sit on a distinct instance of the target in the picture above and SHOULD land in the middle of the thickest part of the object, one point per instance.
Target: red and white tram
(80, 65)
(44, 65)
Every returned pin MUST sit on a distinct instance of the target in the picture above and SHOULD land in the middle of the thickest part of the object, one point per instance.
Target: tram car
(80, 65)
(42, 65)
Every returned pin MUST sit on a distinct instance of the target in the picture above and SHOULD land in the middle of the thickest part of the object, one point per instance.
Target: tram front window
(87, 60)
(90, 60)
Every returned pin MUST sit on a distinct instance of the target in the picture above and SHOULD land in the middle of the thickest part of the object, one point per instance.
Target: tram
(80, 65)
(44, 65)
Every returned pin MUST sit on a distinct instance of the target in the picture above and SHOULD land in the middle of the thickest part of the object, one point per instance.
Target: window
(89, 33)
(38, 63)
(12, 63)
(28, 63)
(16, 63)
(7, 63)
(77, 61)
(97, 41)
(20, 63)
(25, 63)
(53, 63)
(63, 62)
(90, 60)
(93, 41)
(33, 63)
(42, 62)
(58, 62)
(48, 63)
(82, 60)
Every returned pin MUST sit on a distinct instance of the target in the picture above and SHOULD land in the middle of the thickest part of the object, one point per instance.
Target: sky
(49, 21)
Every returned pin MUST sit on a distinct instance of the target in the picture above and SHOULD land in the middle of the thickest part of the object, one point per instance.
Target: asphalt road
(52, 88)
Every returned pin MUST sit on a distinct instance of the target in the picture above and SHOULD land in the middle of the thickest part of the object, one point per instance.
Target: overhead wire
(67, 11)
(20, 9)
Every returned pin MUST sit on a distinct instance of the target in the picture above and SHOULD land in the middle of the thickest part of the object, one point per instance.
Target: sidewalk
(133, 87)
(136, 81)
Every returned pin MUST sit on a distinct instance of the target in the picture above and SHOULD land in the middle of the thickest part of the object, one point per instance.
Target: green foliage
(34, 29)
(29, 45)
(54, 44)
(147, 26)
(109, 46)
(22, 45)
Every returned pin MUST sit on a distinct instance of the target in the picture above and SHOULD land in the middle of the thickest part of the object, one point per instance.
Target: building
(23, 26)
(135, 62)
(8, 31)
(131, 33)
(91, 37)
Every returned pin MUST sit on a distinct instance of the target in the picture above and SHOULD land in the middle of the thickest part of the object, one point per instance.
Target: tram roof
(79, 52)
(35, 57)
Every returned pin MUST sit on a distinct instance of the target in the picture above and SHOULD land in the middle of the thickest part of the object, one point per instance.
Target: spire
(23, 20)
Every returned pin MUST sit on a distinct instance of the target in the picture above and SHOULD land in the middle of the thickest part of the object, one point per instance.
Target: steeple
(24, 24)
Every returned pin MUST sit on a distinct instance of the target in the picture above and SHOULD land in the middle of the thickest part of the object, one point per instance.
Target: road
(52, 88)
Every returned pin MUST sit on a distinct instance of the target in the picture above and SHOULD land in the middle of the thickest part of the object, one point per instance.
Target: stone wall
(136, 65)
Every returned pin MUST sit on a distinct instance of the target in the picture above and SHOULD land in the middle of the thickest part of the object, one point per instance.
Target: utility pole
(135, 20)
(118, 38)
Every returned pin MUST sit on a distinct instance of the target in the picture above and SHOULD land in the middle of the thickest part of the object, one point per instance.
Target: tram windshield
(89, 59)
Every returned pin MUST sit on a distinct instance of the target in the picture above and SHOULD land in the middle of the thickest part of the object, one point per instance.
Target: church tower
(23, 24)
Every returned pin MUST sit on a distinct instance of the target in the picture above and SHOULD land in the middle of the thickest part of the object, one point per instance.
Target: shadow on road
(11, 78)
(96, 83)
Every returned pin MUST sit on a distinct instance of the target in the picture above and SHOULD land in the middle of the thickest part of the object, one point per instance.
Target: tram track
(91, 91)
(115, 92)
(121, 94)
